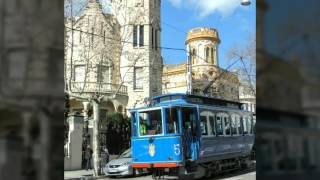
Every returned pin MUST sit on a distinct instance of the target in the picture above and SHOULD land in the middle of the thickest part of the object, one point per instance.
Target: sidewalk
(80, 174)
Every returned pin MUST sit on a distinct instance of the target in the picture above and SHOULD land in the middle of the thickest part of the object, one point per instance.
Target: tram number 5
(176, 148)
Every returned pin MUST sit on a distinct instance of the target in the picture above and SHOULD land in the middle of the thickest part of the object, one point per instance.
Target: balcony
(96, 87)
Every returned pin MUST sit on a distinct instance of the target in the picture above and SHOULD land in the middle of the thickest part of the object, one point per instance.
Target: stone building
(119, 61)
(247, 96)
(203, 45)
(113, 55)
(141, 61)
(92, 60)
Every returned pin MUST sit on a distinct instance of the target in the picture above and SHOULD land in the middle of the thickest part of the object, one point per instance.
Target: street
(238, 175)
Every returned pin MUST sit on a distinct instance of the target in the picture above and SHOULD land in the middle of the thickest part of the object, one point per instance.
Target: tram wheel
(208, 173)
(135, 172)
(186, 177)
(157, 174)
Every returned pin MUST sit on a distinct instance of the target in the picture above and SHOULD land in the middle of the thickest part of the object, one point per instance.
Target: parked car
(121, 166)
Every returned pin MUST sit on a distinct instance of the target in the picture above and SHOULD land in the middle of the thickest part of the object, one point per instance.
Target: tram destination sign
(212, 101)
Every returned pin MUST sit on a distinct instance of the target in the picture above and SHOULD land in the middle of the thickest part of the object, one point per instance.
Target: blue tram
(191, 136)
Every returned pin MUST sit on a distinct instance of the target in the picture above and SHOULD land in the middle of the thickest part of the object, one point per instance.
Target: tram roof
(184, 99)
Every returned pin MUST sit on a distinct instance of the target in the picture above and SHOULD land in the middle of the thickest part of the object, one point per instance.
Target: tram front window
(150, 122)
(134, 124)
(172, 121)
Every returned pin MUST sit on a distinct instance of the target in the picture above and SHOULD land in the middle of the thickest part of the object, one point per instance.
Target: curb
(87, 178)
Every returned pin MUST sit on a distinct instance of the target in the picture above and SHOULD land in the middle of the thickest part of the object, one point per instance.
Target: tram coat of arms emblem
(152, 149)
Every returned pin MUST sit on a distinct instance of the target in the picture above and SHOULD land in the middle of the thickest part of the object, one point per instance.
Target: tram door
(190, 132)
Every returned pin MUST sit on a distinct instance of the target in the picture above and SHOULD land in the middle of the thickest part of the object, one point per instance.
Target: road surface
(237, 175)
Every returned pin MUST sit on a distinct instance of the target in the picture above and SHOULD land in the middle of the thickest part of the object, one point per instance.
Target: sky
(235, 23)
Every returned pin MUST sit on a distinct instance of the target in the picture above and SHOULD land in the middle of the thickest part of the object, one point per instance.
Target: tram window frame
(226, 118)
(175, 127)
(237, 123)
(134, 124)
(213, 125)
(244, 124)
(209, 120)
(204, 124)
(219, 126)
(152, 132)
(234, 124)
(193, 125)
(249, 124)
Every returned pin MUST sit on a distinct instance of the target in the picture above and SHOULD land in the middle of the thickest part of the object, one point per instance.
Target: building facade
(113, 54)
(92, 60)
(202, 45)
(141, 61)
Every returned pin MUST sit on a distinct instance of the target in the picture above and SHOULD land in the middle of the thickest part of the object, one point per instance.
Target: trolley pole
(189, 70)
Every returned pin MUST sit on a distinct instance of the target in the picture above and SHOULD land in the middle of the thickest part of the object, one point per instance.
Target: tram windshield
(150, 122)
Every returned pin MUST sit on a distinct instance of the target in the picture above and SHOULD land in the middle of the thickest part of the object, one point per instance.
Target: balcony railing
(96, 87)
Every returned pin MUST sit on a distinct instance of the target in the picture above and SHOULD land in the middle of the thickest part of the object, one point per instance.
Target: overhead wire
(159, 47)
(130, 42)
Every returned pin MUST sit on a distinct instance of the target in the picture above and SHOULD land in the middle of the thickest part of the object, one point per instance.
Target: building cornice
(202, 34)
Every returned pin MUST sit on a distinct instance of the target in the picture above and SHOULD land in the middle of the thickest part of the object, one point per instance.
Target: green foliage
(117, 117)
(114, 118)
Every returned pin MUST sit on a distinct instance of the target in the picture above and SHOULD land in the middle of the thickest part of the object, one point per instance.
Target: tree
(247, 69)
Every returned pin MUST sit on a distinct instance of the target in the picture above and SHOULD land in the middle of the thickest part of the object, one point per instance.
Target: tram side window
(204, 125)
(227, 130)
(134, 124)
(249, 125)
(150, 122)
(219, 125)
(213, 127)
(234, 125)
(238, 120)
(189, 119)
(172, 124)
(244, 124)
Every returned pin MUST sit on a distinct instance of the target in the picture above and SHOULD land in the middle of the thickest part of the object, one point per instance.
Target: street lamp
(245, 2)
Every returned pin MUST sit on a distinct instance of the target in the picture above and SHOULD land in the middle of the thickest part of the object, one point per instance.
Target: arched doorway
(120, 109)
(108, 106)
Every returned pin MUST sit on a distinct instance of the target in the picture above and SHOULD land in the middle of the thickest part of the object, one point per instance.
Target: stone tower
(203, 44)
(141, 61)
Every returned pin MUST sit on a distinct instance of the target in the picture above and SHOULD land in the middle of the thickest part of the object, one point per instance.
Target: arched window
(212, 56)
(207, 54)
(193, 56)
